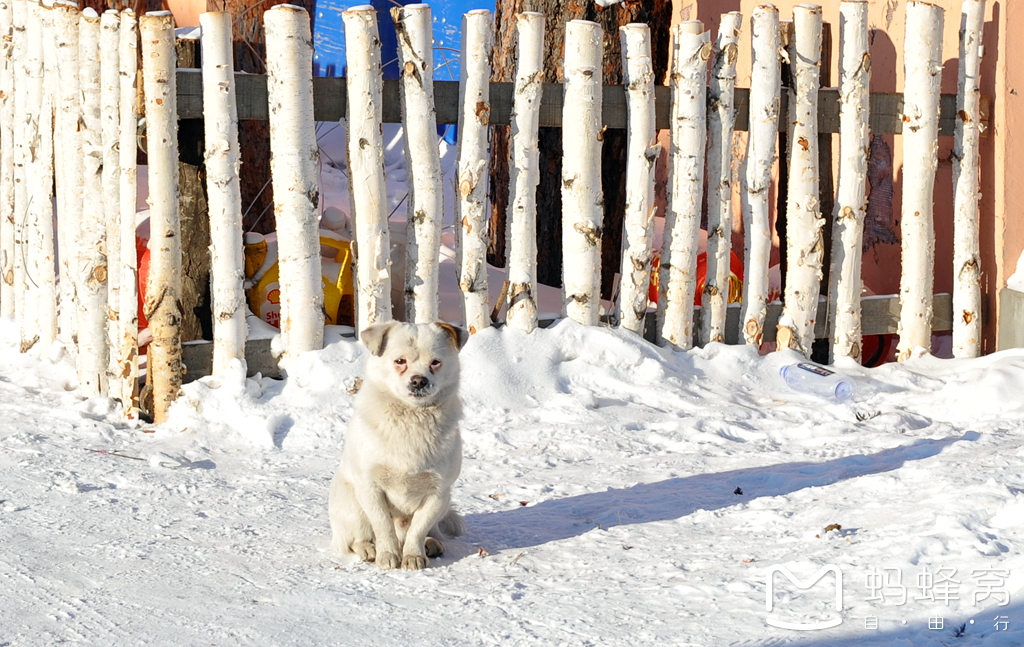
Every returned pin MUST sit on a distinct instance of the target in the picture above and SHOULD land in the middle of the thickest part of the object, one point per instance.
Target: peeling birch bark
(69, 182)
(110, 115)
(966, 189)
(851, 192)
(803, 211)
(522, 208)
(227, 264)
(721, 118)
(128, 346)
(419, 122)
(6, 159)
(641, 156)
(163, 290)
(92, 267)
(366, 168)
(765, 93)
(582, 199)
(677, 283)
(923, 73)
(21, 195)
(474, 118)
(293, 169)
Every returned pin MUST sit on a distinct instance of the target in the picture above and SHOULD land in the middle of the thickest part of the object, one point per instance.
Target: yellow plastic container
(265, 296)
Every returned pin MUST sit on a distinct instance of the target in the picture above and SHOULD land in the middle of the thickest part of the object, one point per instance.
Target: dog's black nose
(417, 382)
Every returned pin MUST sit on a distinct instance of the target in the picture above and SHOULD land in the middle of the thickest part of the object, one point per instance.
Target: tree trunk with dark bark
(656, 13)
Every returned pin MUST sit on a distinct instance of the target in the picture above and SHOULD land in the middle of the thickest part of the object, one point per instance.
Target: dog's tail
(452, 524)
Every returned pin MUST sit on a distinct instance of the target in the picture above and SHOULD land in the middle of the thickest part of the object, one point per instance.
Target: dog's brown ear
(459, 336)
(375, 337)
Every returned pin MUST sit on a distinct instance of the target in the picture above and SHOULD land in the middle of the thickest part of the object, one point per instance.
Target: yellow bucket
(265, 296)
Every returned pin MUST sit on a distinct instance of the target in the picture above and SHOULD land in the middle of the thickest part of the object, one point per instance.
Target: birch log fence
(72, 75)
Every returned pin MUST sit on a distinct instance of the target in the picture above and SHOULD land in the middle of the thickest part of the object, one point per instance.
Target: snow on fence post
(6, 159)
(19, 13)
(163, 290)
(721, 118)
(765, 90)
(641, 156)
(38, 190)
(293, 170)
(69, 182)
(967, 130)
(45, 266)
(220, 115)
(474, 119)
(92, 267)
(582, 201)
(851, 192)
(419, 121)
(677, 282)
(803, 211)
(923, 66)
(522, 208)
(366, 168)
(128, 346)
(110, 100)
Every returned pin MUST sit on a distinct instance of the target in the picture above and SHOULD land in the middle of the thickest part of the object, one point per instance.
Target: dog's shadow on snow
(678, 497)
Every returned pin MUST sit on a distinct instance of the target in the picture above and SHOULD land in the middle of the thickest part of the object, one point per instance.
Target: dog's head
(417, 363)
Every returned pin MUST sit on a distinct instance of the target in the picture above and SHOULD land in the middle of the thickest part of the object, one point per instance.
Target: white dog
(403, 450)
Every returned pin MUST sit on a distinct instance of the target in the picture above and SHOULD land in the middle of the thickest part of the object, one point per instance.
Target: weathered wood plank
(329, 104)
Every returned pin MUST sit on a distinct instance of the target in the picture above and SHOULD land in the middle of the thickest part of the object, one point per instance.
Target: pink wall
(1002, 147)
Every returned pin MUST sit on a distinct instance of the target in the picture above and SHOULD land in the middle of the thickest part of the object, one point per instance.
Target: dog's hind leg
(350, 529)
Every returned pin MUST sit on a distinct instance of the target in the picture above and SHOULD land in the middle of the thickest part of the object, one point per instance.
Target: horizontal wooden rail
(879, 316)
(329, 102)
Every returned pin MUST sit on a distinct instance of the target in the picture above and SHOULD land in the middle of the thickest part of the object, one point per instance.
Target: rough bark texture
(656, 13)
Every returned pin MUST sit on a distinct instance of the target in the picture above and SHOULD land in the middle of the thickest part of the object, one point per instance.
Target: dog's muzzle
(419, 385)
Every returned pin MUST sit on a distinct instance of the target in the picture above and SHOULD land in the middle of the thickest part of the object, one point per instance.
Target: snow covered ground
(615, 494)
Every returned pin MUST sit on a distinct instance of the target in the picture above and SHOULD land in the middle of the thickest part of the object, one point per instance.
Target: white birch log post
(44, 270)
(803, 210)
(472, 222)
(642, 153)
(38, 190)
(366, 168)
(163, 290)
(6, 159)
(419, 121)
(765, 92)
(522, 208)
(851, 191)
(922, 55)
(220, 115)
(582, 198)
(69, 182)
(293, 168)
(21, 195)
(721, 119)
(110, 100)
(677, 281)
(92, 268)
(110, 125)
(128, 346)
(966, 190)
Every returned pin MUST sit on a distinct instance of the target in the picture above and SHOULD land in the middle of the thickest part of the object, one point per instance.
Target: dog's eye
(400, 361)
(436, 364)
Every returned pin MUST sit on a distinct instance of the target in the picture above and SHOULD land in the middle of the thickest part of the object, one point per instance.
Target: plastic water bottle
(818, 380)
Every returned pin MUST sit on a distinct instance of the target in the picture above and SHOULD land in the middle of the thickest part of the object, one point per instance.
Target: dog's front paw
(414, 562)
(364, 550)
(387, 561)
